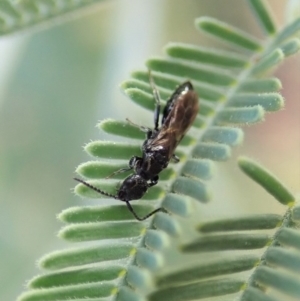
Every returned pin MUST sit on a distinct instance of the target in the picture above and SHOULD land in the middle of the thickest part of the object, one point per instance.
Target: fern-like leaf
(275, 270)
(234, 90)
(23, 14)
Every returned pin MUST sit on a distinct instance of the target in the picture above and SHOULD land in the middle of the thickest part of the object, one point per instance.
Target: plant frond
(275, 269)
(23, 14)
(234, 89)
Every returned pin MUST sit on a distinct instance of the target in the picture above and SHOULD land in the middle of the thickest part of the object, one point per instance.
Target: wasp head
(133, 188)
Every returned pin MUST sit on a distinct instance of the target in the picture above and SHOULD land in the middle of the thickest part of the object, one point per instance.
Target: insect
(158, 149)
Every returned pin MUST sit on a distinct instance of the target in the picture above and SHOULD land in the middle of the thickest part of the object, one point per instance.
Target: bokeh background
(57, 83)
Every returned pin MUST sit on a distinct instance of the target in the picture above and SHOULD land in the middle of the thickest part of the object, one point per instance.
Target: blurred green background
(57, 83)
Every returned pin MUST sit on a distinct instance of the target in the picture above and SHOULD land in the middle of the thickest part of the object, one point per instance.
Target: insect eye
(121, 195)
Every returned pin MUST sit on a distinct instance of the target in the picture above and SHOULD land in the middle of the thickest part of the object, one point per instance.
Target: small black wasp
(158, 149)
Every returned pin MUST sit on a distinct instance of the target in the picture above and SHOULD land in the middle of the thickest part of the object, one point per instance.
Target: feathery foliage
(235, 89)
(23, 14)
(243, 272)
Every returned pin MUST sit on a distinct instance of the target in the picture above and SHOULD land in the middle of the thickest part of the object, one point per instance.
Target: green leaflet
(95, 290)
(255, 222)
(138, 278)
(254, 294)
(93, 214)
(266, 180)
(287, 259)
(268, 62)
(170, 82)
(212, 151)
(76, 276)
(270, 102)
(262, 85)
(225, 135)
(156, 240)
(262, 13)
(226, 242)
(296, 214)
(289, 237)
(201, 169)
(149, 260)
(218, 77)
(198, 290)
(98, 231)
(85, 255)
(290, 47)
(211, 269)
(167, 224)
(207, 56)
(240, 116)
(228, 33)
(280, 281)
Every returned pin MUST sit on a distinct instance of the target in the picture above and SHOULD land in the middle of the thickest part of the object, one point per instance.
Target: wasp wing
(183, 113)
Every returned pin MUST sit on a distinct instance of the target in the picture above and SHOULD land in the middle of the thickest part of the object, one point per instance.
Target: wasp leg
(175, 158)
(157, 100)
(167, 109)
(145, 217)
(119, 171)
(142, 128)
(153, 181)
(132, 163)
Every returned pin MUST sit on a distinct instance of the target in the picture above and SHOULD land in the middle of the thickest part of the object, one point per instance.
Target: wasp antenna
(154, 88)
(95, 188)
